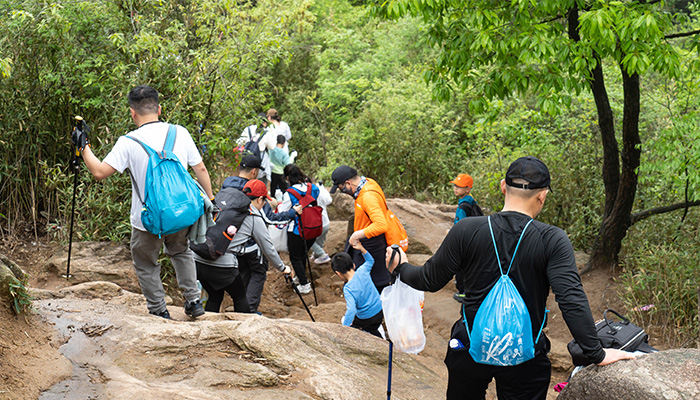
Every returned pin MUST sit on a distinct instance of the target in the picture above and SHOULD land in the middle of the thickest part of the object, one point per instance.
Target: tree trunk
(620, 180)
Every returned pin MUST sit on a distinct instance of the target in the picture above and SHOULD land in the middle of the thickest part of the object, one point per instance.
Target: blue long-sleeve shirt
(361, 296)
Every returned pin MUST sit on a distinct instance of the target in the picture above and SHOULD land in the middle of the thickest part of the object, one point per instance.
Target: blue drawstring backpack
(173, 200)
(502, 331)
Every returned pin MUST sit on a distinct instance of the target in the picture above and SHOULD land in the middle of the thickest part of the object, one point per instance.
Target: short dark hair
(341, 262)
(281, 139)
(144, 100)
(293, 173)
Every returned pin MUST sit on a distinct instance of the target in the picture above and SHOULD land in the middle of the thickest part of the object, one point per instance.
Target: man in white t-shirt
(145, 246)
(269, 141)
(253, 133)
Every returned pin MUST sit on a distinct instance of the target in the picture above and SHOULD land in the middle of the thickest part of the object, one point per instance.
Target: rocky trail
(90, 337)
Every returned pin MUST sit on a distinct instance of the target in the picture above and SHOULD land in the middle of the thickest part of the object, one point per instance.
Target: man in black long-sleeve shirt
(545, 258)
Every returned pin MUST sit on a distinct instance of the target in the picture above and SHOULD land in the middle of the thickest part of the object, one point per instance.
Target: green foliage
(666, 276)
(523, 46)
(208, 59)
(21, 299)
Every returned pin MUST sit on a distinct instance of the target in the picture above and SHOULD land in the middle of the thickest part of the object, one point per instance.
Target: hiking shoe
(163, 314)
(295, 280)
(304, 289)
(458, 297)
(194, 308)
(323, 259)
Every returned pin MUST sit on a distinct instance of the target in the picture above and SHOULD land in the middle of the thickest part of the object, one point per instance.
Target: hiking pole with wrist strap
(75, 165)
(394, 252)
(294, 287)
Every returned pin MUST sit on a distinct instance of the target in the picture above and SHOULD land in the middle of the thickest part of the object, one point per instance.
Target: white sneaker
(323, 259)
(295, 280)
(304, 289)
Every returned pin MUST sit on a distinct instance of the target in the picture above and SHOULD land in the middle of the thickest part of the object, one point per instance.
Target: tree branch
(636, 217)
(682, 34)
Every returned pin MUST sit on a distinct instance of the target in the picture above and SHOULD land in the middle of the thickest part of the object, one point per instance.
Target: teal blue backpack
(173, 200)
(502, 331)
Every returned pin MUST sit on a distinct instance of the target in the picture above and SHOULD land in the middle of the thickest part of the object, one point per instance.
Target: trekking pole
(391, 356)
(306, 260)
(294, 287)
(75, 165)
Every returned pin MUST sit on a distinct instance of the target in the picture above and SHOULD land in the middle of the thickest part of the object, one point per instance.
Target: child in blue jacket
(363, 306)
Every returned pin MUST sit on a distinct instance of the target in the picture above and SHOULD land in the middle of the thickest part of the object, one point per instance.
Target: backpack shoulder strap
(498, 259)
(170, 139)
(303, 200)
(149, 151)
(471, 209)
(250, 135)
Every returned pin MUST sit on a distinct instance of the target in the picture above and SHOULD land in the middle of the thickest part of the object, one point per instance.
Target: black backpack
(234, 208)
(623, 335)
(471, 209)
(251, 146)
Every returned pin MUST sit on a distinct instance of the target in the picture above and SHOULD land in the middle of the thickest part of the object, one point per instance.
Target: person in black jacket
(545, 258)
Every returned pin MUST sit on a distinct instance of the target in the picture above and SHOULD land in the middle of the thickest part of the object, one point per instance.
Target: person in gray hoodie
(222, 275)
(251, 265)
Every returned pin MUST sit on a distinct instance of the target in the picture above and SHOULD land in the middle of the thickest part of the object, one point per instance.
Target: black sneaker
(194, 308)
(458, 297)
(163, 314)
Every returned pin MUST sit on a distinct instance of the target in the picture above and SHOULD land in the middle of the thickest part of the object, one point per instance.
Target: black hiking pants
(468, 379)
(217, 281)
(369, 325)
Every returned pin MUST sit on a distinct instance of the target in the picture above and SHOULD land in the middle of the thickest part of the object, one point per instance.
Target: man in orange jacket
(370, 220)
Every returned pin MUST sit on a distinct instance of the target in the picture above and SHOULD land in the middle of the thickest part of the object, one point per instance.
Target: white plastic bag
(403, 314)
(278, 234)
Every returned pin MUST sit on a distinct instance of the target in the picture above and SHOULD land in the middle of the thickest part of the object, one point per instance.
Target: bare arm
(200, 170)
(99, 169)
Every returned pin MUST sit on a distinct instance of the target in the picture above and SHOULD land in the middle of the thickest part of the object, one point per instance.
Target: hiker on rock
(370, 223)
(298, 247)
(223, 275)
(145, 246)
(251, 265)
(534, 256)
(363, 306)
(466, 207)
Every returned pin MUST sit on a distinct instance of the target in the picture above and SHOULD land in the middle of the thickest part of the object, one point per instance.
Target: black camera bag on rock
(622, 335)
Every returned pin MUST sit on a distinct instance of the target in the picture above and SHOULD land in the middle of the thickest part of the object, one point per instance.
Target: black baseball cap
(530, 169)
(340, 175)
(252, 161)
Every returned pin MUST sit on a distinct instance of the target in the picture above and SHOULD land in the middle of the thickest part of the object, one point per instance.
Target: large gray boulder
(666, 375)
(95, 261)
(127, 354)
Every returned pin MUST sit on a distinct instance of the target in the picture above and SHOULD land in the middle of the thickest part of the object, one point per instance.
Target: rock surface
(666, 375)
(96, 261)
(129, 354)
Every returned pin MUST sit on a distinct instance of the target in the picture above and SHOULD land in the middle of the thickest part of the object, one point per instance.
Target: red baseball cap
(256, 188)
(463, 180)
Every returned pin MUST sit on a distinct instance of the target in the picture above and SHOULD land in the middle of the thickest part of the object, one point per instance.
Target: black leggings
(299, 255)
(277, 182)
(216, 281)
